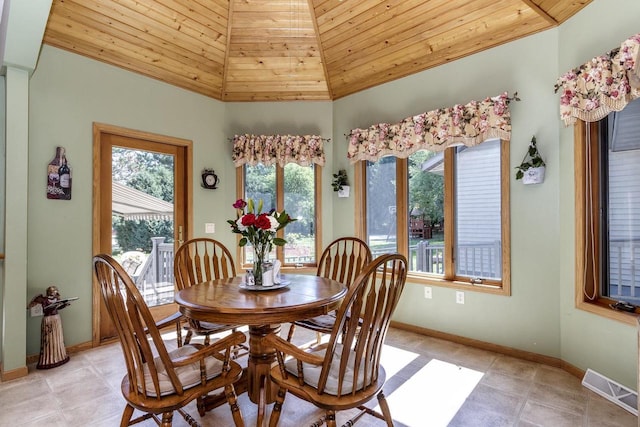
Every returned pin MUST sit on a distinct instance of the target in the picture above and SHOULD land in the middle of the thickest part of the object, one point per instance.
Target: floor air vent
(611, 390)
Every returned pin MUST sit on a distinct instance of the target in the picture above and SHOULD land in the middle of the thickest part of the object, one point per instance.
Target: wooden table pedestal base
(256, 380)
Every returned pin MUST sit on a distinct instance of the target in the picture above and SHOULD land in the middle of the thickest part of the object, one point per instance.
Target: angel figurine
(52, 350)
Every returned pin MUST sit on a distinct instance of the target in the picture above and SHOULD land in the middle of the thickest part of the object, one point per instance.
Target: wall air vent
(611, 390)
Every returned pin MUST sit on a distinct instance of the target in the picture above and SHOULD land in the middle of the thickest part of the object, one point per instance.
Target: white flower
(239, 223)
(274, 223)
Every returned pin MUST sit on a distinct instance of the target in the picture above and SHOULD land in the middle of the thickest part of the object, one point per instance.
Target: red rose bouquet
(259, 229)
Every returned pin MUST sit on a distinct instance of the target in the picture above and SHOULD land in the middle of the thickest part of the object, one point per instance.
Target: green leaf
(243, 242)
(279, 242)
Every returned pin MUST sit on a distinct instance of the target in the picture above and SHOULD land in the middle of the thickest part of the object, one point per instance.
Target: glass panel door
(143, 220)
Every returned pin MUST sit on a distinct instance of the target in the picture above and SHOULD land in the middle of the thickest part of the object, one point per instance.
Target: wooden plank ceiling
(278, 50)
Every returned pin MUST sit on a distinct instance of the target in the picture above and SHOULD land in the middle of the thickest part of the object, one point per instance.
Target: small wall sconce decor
(209, 179)
(340, 183)
(531, 170)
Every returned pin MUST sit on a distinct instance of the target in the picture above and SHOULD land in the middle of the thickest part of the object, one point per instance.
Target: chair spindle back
(343, 259)
(364, 316)
(139, 337)
(200, 260)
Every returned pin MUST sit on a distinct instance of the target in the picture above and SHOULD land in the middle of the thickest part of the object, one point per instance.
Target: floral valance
(435, 130)
(303, 150)
(606, 83)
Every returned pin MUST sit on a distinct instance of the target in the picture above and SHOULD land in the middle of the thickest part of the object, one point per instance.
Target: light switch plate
(427, 292)
(209, 228)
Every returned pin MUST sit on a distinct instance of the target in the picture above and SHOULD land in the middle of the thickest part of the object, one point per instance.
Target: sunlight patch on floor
(433, 396)
(394, 359)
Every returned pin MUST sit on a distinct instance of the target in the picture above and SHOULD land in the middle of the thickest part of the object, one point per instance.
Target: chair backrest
(343, 260)
(139, 337)
(361, 325)
(200, 260)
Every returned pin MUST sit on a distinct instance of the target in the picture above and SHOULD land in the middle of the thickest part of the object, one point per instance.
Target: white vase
(344, 192)
(533, 175)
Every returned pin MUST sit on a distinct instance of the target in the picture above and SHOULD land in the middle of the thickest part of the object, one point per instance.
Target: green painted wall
(68, 93)
(3, 117)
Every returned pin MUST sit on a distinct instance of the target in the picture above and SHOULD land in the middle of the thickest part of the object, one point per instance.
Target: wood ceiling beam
(225, 71)
(323, 59)
(544, 15)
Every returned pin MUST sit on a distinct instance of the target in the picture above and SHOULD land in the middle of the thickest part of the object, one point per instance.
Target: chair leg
(126, 416)
(318, 338)
(188, 418)
(235, 347)
(187, 339)
(277, 407)
(320, 422)
(330, 419)
(207, 339)
(232, 399)
(384, 406)
(179, 332)
(167, 419)
(290, 334)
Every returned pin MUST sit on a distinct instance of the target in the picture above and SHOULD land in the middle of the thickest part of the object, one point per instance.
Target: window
(293, 188)
(447, 212)
(608, 206)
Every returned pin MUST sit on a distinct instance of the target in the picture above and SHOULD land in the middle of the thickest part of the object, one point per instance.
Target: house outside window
(446, 211)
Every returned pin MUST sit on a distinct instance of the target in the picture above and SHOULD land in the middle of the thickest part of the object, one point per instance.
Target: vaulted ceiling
(270, 50)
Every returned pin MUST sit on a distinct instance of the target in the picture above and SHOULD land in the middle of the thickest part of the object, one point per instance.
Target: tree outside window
(292, 188)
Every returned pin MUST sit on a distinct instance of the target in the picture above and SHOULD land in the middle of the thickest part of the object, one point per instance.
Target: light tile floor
(430, 383)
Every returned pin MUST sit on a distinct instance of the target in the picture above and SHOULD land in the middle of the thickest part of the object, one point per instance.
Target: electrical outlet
(209, 228)
(459, 297)
(427, 292)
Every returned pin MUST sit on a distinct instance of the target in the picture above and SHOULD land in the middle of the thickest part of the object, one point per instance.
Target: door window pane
(143, 221)
(478, 245)
(426, 212)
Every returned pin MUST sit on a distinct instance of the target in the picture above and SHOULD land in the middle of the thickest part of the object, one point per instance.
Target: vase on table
(258, 260)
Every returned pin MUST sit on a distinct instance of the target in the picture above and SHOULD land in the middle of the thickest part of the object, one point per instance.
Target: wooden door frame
(99, 129)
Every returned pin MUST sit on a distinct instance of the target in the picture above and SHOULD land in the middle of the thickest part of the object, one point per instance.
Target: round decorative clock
(209, 179)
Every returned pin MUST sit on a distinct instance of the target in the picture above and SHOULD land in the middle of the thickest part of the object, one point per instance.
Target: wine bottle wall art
(59, 176)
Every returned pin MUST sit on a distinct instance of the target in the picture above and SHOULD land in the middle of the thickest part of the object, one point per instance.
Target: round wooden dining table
(228, 301)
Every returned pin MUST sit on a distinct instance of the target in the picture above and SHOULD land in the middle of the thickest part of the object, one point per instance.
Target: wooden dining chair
(342, 261)
(200, 260)
(160, 381)
(345, 374)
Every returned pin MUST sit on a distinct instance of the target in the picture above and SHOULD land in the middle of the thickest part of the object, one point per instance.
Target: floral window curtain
(606, 83)
(303, 150)
(435, 130)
